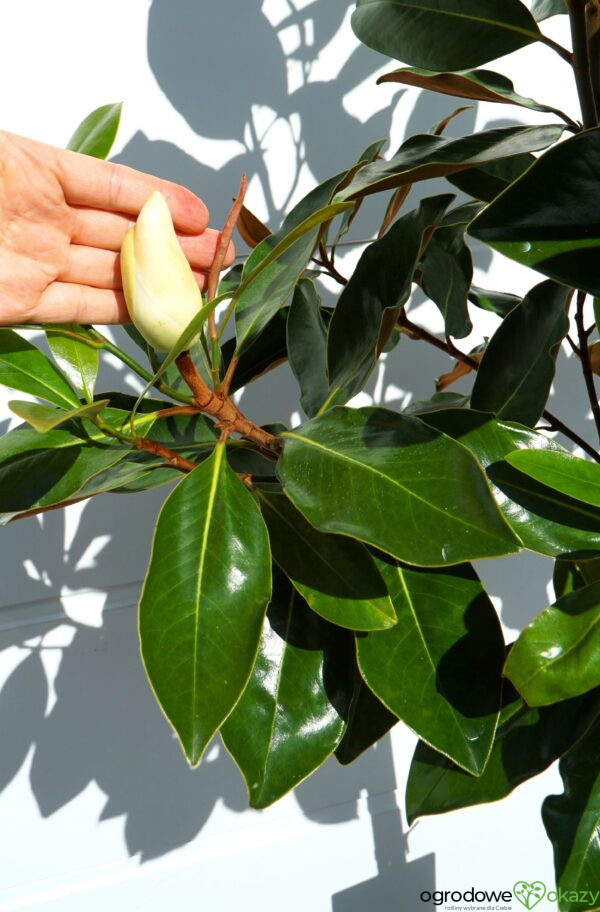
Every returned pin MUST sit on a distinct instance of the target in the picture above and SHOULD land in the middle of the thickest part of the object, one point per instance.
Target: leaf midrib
(218, 457)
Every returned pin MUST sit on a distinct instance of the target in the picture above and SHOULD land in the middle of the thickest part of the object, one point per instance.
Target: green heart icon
(530, 894)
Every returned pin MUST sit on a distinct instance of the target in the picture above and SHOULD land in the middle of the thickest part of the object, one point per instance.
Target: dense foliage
(310, 587)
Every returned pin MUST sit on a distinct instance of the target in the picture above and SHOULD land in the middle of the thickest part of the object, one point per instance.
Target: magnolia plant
(310, 587)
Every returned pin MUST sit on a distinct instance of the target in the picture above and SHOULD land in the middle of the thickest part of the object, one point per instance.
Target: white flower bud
(161, 293)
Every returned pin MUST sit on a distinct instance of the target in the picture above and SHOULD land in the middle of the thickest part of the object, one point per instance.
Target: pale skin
(63, 217)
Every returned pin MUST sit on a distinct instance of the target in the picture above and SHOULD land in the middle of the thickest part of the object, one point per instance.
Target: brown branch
(177, 410)
(218, 405)
(327, 264)
(586, 365)
(417, 332)
(150, 446)
(224, 388)
(221, 252)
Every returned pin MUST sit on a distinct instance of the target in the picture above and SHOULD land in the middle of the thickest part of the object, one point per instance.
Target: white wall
(97, 807)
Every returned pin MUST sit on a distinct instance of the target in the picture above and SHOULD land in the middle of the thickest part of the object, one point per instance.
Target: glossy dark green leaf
(439, 668)
(45, 418)
(447, 273)
(370, 303)
(438, 401)
(543, 9)
(548, 219)
(24, 367)
(392, 482)
(307, 346)
(572, 821)
(569, 575)
(77, 360)
(204, 599)
(525, 745)
(557, 655)
(368, 721)
(336, 575)
(271, 271)
(444, 34)
(96, 134)
(267, 352)
(562, 471)
(517, 368)
(292, 713)
(498, 302)
(425, 156)
(479, 85)
(42, 477)
(545, 520)
(487, 182)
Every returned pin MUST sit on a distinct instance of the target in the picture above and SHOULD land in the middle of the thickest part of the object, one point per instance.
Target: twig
(417, 332)
(327, 264)
(226, 383)
(215, 270)
(584, 354)
(222, 248)
(581, 62)
(150, 446)
(218, 404)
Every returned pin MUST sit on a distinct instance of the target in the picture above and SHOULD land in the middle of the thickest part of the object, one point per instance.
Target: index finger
(88, 181)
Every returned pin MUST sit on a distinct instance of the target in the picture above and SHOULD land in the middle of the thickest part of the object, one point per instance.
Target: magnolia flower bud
(160, 290)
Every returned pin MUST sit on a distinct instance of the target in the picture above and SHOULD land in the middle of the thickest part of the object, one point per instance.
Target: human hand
(63, 217)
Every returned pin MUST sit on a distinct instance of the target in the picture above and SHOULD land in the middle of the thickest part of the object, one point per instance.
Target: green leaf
(369, 305)
(543, 9)
(267, 352)
(444, 34)
(489, 181)
(525, 745)
(517, 368)
(447, 273)
(307, 346)
(444, 400)
(439, 668)
(479, 85)
(545, 520)
(336, 575)
(204, 599)
(425, 156)
(548, 218)
(557, 655)
(291, 715)
(43, 418)
(392, 482)
(572, 821)
(24, 367)
(368, 721)
(77, 360)
(96, 134)
(571, 575)
(271, 272)
(44, 477)
(498, 302)
(564, 472)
